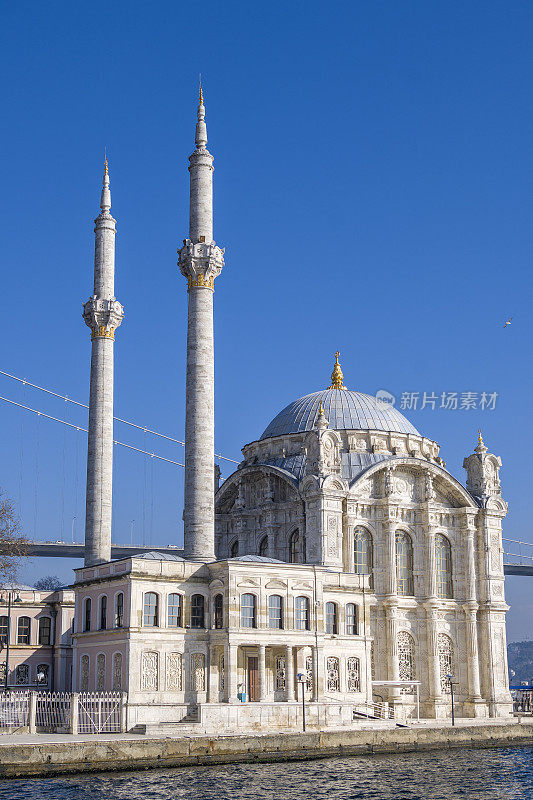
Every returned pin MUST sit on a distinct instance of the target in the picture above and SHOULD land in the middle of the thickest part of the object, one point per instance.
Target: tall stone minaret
(103, 314)
(200, 261)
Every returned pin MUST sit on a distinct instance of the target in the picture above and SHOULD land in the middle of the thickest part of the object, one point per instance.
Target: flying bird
(508, 322)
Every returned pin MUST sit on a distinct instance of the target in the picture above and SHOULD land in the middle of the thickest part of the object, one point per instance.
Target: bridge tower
(103, 314)
(200, 261)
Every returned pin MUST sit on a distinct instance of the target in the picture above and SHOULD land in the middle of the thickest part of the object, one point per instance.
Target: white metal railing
(53, 712)
(14, 709)
(99, 712)
(377, 710)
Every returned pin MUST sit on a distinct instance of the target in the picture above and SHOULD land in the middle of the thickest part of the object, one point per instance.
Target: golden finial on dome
(337, 377)
(321, 409)
(201, 101)
(105, 161)
(479, 437)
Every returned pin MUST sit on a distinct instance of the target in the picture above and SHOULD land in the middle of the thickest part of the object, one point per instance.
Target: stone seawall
(46, 758)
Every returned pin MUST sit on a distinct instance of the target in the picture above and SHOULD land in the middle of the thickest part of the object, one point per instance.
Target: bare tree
(13, 543)
(48, 583)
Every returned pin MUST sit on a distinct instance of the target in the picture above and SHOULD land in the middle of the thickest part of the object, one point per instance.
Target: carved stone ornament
(103, 317)
(200, 263)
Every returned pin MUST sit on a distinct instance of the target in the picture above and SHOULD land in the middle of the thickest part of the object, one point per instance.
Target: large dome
(345, 411)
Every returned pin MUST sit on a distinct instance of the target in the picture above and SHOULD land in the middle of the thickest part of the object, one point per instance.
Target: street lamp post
(450, 680)
(301, 679)
(10, 596)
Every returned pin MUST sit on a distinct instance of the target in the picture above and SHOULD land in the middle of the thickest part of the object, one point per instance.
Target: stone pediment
(249, 582)
(301, 585)
(274, 584)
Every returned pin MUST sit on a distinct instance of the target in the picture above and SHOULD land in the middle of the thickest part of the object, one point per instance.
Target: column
(392, 646)
(262, 673)
(231, 673)
(289, 672)
(212, 688)
(435, 690)
(390, 557)
(431, 564)
(315, 674)
(474, 686)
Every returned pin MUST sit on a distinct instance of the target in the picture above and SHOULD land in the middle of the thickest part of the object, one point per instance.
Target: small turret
(483, 472)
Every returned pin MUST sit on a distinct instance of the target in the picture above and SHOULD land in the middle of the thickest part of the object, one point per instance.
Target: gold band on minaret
(337, 377)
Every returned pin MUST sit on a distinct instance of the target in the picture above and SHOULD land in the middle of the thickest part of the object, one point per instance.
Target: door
(253, 679)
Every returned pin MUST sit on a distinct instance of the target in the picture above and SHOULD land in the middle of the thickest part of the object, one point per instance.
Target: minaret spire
(103, 314)
(200, 261)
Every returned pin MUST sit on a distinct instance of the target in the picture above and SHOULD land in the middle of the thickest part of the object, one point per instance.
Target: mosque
(340, 564)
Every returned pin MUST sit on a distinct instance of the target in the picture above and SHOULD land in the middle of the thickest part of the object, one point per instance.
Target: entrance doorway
(253, 679)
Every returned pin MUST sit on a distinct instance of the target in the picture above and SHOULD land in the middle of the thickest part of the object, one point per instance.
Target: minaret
(200, 261)
(103, 314)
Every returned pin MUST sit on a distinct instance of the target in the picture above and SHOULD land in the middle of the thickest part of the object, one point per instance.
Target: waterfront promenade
(56, 754)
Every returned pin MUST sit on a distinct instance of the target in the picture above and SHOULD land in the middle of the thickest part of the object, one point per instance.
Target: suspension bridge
(518, 554)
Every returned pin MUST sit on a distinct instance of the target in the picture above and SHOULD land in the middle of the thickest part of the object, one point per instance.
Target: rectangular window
(150, 610)
(248, 611)
(4, 629)
(23, 630)
(44, 630)
(197, 611)
(119, 611)
(103, 613)
(174, 611)
(351, 619)
(301, 614)
(275, 612)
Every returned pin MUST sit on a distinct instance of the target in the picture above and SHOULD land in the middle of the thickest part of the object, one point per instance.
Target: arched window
(87, 615)
(353, 683)
(119, 610)
(84, 673)
(331, 617)
(443, 561)
(197, 611)
(42, 674)
(219, 611)
(248, 611)
(174, 611)
(151, 610)
(332, 670)
(100, 672)
(4, 629)
(363, 554)
(263, 546)
(23, 630)
(445, 661)
(275, 611)
(351, 619)
(22, 674)
(406, 656)
(301, 613)
(45, 624)
(404, 564)
(296, 548)
(103, 612)
(234, 549)
(117, 672)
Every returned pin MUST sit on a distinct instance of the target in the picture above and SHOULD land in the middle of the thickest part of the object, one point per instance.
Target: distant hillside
(520, 657)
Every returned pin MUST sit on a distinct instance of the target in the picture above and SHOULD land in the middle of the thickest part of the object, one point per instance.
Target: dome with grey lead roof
(345, 411)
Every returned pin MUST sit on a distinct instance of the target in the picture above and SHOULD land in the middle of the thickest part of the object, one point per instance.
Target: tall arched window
(351, 619)
(275, 611)
(248, 619)
(406, 656)
(23, 630)
(263, 546)
(234, 549)
(197, 611)
(151, 610)
(219, 611)
(87, 615)
(4, 629)
(45, 624)
(296, 548)
(404, 564)
(445, 661)
(443, 561)
(331, 617)
(103, 613)
(301, 613)
(174, 611)
(119, 610)
(363, 554)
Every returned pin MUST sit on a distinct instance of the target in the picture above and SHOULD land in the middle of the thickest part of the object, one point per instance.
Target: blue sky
(373, 191)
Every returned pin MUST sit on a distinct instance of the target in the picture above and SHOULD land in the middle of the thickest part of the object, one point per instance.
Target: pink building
(39, 631)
